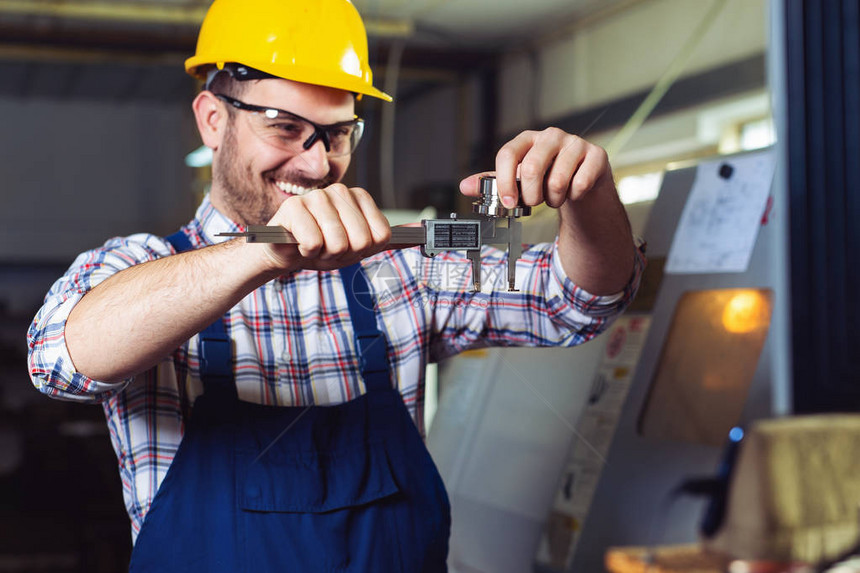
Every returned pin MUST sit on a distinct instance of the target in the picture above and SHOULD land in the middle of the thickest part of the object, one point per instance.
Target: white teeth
(292, 189)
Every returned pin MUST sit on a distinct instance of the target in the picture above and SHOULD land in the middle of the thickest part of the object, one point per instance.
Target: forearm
(550, 310)
(133, 319)
(595, 240)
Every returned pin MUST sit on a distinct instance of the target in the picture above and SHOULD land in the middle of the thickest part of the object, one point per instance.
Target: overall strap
(370, 343)
(180, 241)
(215, 347)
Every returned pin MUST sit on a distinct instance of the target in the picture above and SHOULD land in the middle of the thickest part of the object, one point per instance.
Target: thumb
(470, 187)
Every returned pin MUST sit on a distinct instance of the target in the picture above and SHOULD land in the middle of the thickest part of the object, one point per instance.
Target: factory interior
(711, 428)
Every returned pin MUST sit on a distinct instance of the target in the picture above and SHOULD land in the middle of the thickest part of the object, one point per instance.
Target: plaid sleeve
(548, 309)
(599, 307)
(51, 368)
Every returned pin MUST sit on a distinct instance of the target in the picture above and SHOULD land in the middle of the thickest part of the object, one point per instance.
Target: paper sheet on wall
(595, 430)
(722, 216)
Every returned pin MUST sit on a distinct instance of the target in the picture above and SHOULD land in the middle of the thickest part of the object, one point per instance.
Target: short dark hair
(231, 77)
(225, 84)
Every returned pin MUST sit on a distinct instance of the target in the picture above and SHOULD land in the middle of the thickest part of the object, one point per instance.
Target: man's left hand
(553, 167)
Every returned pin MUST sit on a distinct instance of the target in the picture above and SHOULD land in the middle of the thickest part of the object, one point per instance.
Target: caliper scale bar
(401, 236)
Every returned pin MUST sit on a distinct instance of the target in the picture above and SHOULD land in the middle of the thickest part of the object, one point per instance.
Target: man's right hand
(136, 317)
(335, 227)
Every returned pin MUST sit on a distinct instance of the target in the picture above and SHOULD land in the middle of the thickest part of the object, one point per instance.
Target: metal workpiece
(490, 204)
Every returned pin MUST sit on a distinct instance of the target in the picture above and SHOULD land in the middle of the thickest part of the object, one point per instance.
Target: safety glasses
(291, 132)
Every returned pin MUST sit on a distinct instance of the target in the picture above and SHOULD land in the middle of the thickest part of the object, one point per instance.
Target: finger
(534, 166)
(471, 187)
(507, 160)
(380, 228)
(594, 166)
(355, 222)
(557, 183)
(548, 155)
(327, 219)
(296, 218)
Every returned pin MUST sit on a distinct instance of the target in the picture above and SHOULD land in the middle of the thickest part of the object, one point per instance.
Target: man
(263, 399)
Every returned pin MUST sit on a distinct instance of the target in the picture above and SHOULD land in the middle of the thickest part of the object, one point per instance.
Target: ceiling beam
(112, 11)
(174, 44)
(152, 13)
(93, 32)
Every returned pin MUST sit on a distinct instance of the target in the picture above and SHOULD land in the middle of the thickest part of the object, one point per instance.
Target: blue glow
(736, 434)
(200, 157)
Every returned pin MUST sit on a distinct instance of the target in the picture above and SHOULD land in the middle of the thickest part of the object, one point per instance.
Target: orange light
(745, 312)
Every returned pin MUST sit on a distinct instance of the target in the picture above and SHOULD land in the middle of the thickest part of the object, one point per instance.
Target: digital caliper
(435, 236)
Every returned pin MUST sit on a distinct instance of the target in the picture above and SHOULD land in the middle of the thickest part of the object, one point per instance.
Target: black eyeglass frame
(320, 131)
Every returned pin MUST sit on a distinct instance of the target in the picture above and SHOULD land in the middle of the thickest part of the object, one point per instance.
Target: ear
(211, 117)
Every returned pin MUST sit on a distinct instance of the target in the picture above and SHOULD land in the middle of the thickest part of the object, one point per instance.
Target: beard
(250, 198)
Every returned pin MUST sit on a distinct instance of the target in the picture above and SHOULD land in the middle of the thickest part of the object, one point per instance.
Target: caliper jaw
(511, 237)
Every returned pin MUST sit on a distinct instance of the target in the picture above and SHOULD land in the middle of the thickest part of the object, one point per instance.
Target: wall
(624, 53)
(427, 136)
(74, 172)
(594, 64)
(77, 172)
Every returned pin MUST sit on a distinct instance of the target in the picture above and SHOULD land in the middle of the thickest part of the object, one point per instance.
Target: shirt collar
(213, 222)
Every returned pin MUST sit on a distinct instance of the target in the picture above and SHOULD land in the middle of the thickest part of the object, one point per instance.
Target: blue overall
(258, 489)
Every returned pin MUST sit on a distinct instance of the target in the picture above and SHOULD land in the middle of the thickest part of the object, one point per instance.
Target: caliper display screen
(455, 235)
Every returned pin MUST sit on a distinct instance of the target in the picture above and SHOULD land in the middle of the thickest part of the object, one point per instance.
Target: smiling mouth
(292, 189)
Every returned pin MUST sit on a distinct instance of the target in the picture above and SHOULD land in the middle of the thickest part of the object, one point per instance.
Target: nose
(314, 161)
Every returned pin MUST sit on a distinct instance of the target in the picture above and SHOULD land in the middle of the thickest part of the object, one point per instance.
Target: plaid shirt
(293, 341)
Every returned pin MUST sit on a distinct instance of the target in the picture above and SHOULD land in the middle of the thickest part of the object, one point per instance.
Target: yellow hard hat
(320, 42)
